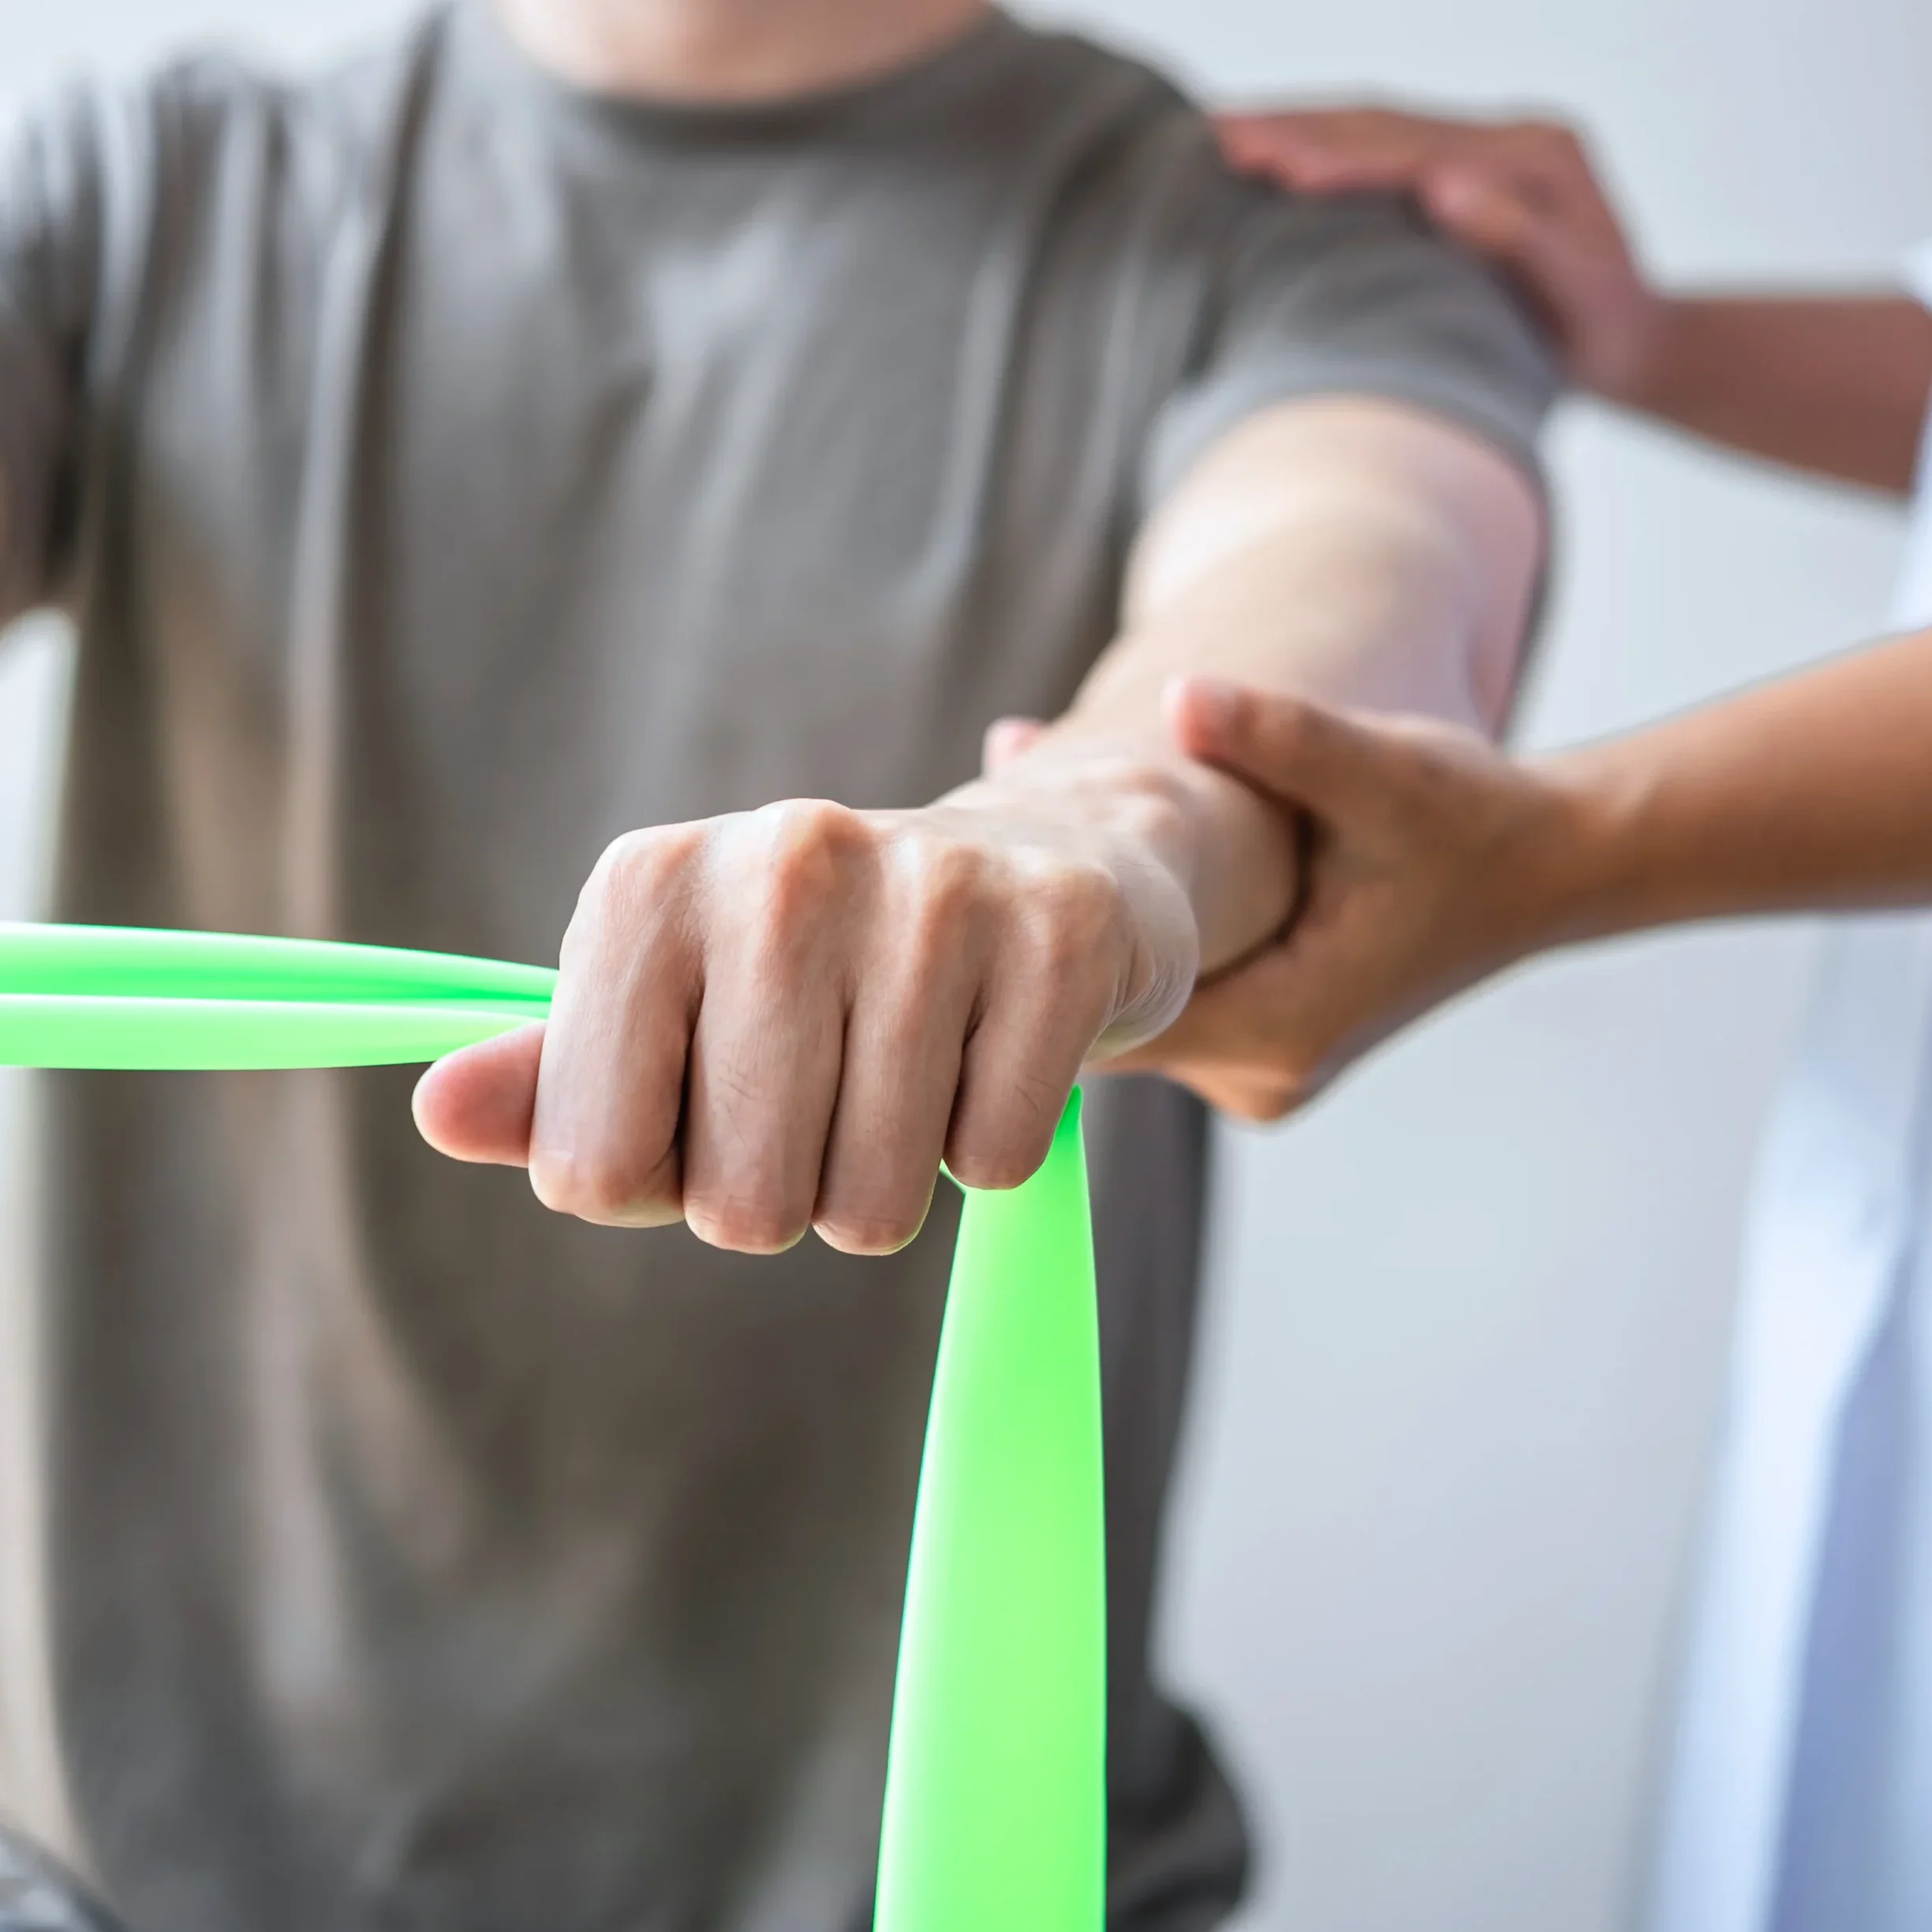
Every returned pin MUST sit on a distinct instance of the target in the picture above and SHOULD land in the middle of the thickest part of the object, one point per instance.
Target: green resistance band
(77, 996)
(996, 1808)
(995, 1802)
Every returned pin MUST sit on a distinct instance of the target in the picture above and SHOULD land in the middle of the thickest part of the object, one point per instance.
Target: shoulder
(119, 200)
(1071, 61)
(156, 150)
(1103, 110)
(1138, 142)
(1149, 141)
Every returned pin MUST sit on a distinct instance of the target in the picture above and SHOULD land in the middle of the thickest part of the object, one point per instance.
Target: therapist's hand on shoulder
(1526, 194)
(1431, 861)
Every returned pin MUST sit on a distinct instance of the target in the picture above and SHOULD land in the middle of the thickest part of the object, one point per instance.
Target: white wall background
(1469, 1318)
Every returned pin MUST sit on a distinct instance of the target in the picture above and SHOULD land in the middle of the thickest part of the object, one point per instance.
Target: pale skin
(783, 1019)
(740, 52)
(1434, 860)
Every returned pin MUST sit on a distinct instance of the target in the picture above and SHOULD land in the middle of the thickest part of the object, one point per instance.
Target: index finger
(1338, 149)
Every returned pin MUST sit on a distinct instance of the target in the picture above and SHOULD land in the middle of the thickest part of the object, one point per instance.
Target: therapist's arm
(1436, 861)
(781, 1019)
(1830, 384)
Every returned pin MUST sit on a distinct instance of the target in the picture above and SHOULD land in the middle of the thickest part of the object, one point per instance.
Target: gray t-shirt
(447, 471)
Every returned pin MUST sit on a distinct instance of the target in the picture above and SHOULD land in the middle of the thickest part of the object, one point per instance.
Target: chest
(615, 509)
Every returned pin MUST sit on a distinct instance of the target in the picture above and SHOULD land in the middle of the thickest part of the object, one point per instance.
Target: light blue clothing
(1797, 1793)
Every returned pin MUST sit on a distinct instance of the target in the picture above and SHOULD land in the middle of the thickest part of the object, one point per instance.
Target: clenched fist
(781, 1019)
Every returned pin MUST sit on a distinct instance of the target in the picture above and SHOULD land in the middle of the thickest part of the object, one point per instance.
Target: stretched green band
(114, 996)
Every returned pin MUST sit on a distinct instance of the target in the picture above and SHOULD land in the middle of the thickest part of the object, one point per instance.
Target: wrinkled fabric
(1797, 1777)
(39, 1894)
(448, 472)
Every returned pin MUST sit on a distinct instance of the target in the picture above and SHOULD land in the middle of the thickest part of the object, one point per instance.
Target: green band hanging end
(996, 1812)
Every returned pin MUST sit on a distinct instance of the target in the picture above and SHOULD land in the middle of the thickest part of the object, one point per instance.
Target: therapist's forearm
(1812, 793)
(1834, 385)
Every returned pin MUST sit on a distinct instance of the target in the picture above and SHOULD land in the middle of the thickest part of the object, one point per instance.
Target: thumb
(1299, 751)
(1272, 145)
(477, 1103)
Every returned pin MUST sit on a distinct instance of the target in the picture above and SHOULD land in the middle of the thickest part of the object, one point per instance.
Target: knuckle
(746, 1223)
(613, 865)
(639, 861)
(594, 900)
(1005, 1151)
(635, 873)
(803, 849)
(1079, 911)
(948, 881)
(857, 1231)
(999, 1163)
(598, 1188)
(808, 831)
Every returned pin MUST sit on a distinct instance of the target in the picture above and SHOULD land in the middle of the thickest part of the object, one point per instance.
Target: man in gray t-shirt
(554, 425)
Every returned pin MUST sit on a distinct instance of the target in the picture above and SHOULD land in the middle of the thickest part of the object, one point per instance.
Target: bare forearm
(1348, 550)
(1364, 602)
(1812, 792)
(1837, 386)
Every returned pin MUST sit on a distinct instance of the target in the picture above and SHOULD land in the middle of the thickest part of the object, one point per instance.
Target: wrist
(1113, 817)
(1229, 854)
(1130, 811)
(1638, 375)
(1591, 877)
(1244, 862)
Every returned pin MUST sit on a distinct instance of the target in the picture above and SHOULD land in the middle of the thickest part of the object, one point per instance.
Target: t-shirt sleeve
(1355, 296)
(49, 231)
